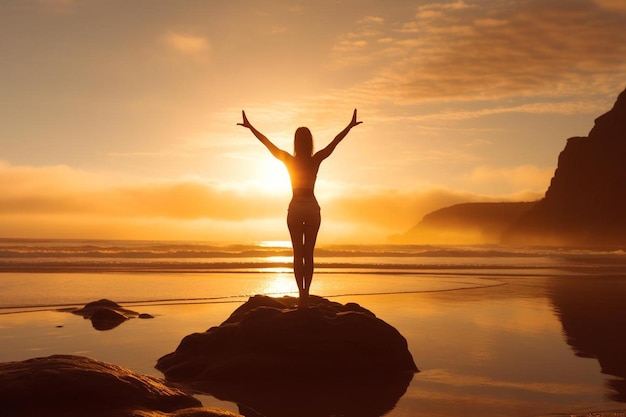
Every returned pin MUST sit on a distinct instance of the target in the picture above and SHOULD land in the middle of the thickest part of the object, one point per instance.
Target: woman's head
(303, 142)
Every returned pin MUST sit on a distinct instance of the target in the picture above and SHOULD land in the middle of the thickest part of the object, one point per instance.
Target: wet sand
(488, 345)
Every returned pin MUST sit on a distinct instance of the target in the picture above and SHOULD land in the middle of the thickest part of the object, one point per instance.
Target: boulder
(270, 336)
(273, 358)
(106, 314)
(64, 385)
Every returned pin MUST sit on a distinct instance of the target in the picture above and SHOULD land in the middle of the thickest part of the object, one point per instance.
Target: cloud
(64, 191)
(60, 201)
(616, 5)
(56, 4)
(59, 7)
(350, 48)
(491, 50)
(186, 44)
(520, 177)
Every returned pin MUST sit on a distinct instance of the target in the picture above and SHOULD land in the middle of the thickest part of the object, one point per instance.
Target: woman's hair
(303, 142)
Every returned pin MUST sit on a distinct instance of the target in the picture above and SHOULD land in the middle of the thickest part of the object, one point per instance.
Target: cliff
(585, 204)
(586, 201)
(466, 223)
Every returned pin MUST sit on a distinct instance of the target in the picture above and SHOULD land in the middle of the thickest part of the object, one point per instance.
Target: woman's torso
(303, 174)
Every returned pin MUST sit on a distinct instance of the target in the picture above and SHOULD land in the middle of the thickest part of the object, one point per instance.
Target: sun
(272, 176)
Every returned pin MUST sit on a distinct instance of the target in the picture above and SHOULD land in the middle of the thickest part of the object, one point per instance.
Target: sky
(118, 118)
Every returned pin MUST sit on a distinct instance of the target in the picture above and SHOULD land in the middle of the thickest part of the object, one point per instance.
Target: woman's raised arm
(325, 153)
(274, 150)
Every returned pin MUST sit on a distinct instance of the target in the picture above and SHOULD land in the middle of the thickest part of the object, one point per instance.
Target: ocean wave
(39, 255)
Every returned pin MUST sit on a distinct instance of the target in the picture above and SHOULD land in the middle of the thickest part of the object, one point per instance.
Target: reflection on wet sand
(593, 315)
(338, 395)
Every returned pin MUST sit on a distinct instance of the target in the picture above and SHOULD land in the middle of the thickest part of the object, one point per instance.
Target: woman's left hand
(353, 122)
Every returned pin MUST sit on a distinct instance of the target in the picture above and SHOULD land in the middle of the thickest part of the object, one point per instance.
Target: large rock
(586, 200)
(268, 337)
(64, 385)
(270, 356)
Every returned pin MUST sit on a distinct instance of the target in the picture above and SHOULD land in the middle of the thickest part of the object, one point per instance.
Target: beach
(494, 331)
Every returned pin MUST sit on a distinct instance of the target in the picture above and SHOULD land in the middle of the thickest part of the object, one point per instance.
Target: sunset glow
(113, 129)
(270, 175)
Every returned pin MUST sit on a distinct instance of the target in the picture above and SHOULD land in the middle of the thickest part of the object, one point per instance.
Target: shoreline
(476, 284)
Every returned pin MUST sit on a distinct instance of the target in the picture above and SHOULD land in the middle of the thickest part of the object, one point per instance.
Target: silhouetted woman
(303, 218)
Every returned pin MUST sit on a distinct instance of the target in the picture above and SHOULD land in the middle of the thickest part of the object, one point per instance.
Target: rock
(274, 358)
(586, 200)
(106, 314)
(92, 308)
(467, 223)
(271, 336)
(64, 385)
(107, 319)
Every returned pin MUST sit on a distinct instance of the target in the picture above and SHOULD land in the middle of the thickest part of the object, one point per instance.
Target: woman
(303, 218)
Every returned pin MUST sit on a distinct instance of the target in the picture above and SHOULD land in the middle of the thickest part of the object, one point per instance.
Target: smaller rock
(106, 314)
(91, 308)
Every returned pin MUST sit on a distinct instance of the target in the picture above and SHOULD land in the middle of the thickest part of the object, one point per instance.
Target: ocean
(40, 273)
(495, 330)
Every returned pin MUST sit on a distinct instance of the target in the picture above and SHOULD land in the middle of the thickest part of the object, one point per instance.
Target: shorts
(304, 212)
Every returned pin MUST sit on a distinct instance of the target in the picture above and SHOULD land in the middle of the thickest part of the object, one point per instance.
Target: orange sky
(118, 117)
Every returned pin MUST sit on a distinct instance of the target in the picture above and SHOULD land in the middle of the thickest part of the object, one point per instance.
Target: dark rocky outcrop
(466, 223)
(106, 314)
(585, 204)
(586, 201)
(64, 385)
(279, 360)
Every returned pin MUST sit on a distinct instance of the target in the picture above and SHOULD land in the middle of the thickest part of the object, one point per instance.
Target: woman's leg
(311, 227)
(296, 230)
